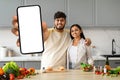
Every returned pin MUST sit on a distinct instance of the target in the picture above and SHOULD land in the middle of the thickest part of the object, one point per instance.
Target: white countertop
(70, 75)
(38, 58)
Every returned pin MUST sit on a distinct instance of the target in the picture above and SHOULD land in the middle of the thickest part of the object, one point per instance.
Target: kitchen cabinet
(94, 12)
(26, 64)
(7, 11)
(107, 12)
(34, 64)
(99, 62)
(78, 11)
(113, 63)
(81, 12)
(48, 8)
(20, 64)
(84, 12)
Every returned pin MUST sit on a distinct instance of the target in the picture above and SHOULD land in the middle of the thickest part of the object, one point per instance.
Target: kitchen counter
(71, 75)
(38, 58)
(104, 58)
(22, 58)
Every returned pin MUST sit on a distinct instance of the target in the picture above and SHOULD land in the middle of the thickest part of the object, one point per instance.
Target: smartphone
(30, 29)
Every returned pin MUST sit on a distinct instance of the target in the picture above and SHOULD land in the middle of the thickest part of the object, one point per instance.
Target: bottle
(3, 52)
(107, 66)
(94, 69)
(43, 70)
(105, 70)
(101, 69)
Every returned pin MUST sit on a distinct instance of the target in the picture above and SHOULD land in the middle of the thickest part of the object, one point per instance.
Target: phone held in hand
(30, 29)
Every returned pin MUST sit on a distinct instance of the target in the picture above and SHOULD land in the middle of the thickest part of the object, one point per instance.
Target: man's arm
(88, 41)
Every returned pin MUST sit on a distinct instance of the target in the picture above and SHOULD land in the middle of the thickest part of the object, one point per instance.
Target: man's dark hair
(59, 14)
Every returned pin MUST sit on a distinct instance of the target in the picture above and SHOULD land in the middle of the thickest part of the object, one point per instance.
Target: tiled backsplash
(100, 37)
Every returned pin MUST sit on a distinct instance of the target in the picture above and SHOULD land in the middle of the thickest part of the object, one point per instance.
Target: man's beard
(59, 28)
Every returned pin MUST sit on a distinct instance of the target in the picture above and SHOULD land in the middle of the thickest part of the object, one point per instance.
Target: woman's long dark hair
(77, 25)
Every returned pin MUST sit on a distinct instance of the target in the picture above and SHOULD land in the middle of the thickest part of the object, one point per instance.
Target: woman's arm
(89, 55)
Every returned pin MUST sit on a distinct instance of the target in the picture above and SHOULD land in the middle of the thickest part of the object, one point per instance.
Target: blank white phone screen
(30, 30)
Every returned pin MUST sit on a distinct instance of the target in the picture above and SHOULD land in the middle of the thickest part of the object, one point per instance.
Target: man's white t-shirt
(55, 52)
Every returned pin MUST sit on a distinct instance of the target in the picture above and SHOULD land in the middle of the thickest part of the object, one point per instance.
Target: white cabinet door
(84, 12)
(48, 7)
(7, 10)
(108, 12)
(81, 12)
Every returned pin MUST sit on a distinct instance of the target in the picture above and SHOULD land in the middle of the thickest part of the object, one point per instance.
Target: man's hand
(14, 30)
(88, 41)
(15, 26)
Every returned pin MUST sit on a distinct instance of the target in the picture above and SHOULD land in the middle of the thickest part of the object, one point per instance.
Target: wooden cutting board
(53, 71)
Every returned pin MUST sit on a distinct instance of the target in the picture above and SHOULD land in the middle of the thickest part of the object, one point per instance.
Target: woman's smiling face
(75, 32)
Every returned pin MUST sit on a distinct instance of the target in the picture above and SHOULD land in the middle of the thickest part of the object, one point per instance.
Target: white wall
(8, 39)
(101, 38)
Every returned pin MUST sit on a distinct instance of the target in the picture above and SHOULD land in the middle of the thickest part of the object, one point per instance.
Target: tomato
(27, 72)
(98, 72)
(31, 70)
(22, 71)
(11, 76)
(1, 71)
(20, 77)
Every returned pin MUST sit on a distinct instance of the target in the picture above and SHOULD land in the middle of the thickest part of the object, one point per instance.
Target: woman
(78, 52)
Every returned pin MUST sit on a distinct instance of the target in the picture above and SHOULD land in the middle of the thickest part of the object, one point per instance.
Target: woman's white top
(73, 54)
(78, 54)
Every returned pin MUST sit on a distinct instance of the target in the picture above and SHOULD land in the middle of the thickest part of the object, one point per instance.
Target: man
(56, 41)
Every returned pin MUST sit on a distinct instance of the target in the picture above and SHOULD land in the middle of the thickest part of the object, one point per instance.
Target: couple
(58, 43)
